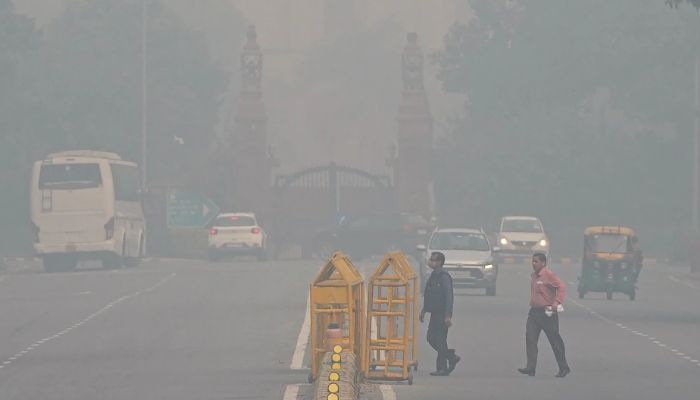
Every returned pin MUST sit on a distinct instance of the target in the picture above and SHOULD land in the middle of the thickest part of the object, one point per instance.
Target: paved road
(165, 330)
(194, 330)
(646, 349)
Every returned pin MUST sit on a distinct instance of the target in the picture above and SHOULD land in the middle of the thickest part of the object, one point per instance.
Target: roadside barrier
(337, 310)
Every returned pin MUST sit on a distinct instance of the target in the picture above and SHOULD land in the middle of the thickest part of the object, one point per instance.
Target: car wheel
(491, 290)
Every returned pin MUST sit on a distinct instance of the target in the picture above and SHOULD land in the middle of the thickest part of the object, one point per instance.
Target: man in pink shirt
(547, 294)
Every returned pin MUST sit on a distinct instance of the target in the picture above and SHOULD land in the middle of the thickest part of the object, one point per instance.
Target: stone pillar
(415, 136)
(251, 162)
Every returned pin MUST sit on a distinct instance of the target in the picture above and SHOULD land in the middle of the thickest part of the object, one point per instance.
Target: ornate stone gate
(316, 197)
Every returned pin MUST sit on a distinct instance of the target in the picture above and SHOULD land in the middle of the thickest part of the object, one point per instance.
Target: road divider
(338, 377)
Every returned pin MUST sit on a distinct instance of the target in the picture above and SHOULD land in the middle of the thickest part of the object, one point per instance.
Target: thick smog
(349, 199)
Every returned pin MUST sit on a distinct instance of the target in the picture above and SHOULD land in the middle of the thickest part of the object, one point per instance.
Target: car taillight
(255, 231)
(213, 231)
(109, 228)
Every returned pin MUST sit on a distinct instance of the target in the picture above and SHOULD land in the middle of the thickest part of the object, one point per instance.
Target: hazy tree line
(77, 84)
(580, 112)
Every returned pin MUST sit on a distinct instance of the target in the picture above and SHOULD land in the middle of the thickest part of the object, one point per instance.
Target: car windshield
(609, 243)
(521, 225)
(459, 241)
(414, 219)
(234, 220)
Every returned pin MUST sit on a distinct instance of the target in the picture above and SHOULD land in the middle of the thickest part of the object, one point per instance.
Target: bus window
(69, 176)
(126, 182)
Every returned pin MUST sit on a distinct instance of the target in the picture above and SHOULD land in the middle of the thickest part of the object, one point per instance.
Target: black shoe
(452, 362)
(527, 371)
(563, 372)
(440, 372)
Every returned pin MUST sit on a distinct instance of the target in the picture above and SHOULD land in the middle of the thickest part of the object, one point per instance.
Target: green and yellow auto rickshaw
(612, 261)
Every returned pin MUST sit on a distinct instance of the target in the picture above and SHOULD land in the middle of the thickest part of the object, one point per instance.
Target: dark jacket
(438, 296)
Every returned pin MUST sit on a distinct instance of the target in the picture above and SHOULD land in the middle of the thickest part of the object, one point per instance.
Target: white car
(236, 233)
(468, 258)
(521, 236)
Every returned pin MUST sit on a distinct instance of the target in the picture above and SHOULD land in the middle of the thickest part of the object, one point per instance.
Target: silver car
(469, 258)
(521, 236)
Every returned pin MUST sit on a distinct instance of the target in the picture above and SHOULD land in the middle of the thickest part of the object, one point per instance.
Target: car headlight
(488, 266)
(504, 241)
(543, 242)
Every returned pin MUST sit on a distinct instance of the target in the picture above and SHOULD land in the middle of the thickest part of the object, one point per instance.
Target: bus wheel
(132, 262)
(59, 262)
(111, 261)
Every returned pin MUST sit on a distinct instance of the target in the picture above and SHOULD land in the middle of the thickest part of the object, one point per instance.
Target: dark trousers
(538, 321)
(437, 337)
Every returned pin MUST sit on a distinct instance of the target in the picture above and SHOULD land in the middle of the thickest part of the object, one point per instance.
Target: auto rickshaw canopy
(603, 229)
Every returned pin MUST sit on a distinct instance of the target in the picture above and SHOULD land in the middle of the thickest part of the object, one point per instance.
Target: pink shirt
(546, 289)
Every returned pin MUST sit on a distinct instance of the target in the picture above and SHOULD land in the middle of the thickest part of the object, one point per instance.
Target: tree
(574, 109)
(94, 54)
(81, 88)
(676, 3)
(20, 44)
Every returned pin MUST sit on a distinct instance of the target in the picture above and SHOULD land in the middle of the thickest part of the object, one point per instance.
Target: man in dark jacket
(438, 301)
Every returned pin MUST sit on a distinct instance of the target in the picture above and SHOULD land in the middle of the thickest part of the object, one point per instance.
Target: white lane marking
(291, 392)
(78, 324)
(630, 330)
(683, 282)
(303, 339)
(387, 392)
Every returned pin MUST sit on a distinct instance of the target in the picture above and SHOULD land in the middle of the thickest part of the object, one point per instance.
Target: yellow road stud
(333, 388)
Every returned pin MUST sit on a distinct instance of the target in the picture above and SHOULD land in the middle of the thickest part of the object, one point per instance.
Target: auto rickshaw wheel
(609, 294)
(581, 292)
(633, 294)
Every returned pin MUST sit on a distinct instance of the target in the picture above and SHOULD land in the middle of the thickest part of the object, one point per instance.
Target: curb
(5, 260)
(693, 275)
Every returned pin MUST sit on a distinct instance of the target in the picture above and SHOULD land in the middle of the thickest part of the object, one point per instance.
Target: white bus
(87, 205)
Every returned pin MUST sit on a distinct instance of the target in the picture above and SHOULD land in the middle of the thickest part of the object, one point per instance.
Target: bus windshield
(69, 176)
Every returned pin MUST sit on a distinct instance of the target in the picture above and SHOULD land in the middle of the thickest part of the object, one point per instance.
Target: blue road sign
(190, 210)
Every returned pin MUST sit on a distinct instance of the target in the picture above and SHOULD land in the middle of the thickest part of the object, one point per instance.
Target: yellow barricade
(390, 349)
(337, 307)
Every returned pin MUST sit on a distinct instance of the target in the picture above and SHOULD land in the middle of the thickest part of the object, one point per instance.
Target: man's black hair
(541, 256)
(440, 256)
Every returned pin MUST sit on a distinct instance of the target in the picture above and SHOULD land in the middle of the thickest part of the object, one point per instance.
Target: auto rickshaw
(612, 261)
